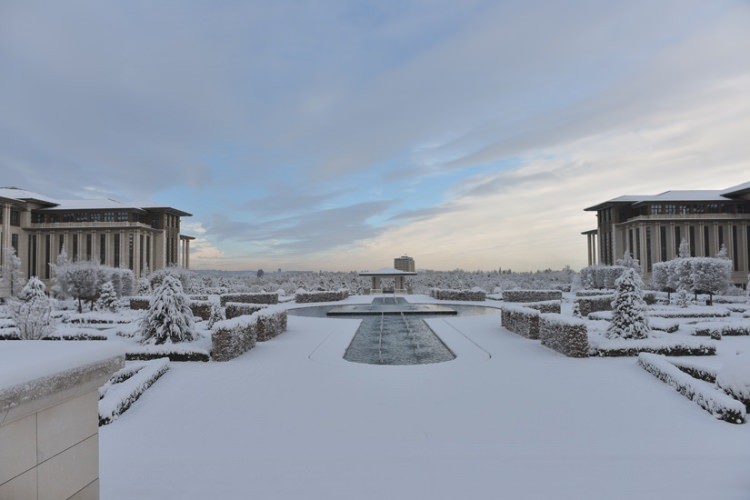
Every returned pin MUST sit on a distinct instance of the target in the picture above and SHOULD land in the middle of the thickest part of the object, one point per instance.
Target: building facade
(651, 228)
(116, 234)
(404, 263)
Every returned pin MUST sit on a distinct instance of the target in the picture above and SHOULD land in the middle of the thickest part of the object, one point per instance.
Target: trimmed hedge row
(707, 397)
(326, 296)
(531, 295)
(233, 337)
(464, 295)
(566, 335)
(250, 298)
(521, 320)
(126, 386)
(593, 293)
(140, 303)
(548, 306)
(588, 305)
(718, 330)
(666, 346)
(693, 312)
(235, 309)
(201, 309)
(180, 355)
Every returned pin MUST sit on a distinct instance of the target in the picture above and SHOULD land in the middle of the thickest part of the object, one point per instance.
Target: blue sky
(340, 134)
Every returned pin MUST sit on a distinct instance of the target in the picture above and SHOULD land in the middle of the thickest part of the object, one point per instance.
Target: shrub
(566, 335)
(531, 295)
(169, 317)
(250, 298)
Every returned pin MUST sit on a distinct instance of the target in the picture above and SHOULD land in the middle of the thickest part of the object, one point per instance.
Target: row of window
(15, 217)
(696, 208)
(91, 216)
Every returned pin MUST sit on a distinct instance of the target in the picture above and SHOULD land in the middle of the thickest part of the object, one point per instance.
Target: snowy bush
(217, 314)
(594, 293)
(11, 271)
(233, 337)
(629, 310)
(734, 378)
(600, 276)
(564, 334)
(140, 302)
(547, 306)
(126, 386)
(458, 295)
(717, 330)
(704, 394)
(270, 322)
(692, 312)
(169, 318)
(250, 298)
(521, 320)
(330, 296)
(588, 305)
(201, 308)
(234, 309)
(531, 295)
(182, 274)
(107, 300)
(31, 311)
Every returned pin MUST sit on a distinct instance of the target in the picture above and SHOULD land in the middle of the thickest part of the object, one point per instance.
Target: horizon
(321, 137)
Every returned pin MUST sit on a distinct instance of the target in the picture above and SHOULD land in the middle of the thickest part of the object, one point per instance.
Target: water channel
(393, 331)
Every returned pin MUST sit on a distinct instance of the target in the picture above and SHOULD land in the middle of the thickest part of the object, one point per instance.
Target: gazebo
(387, 272)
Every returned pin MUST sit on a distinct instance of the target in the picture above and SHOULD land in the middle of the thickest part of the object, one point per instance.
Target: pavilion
(388, 272)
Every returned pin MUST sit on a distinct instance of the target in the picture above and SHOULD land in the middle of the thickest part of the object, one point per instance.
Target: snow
(734, 376)
(506, 419)
(23, 361)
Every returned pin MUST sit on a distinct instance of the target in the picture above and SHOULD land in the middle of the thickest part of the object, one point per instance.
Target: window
(109, 216)
(117, 250)
(32, 256)
(735, 260)
(130, 251)
(706, 242)
(75, 247)
(663, 242)
(14, 242)
(47, 254)
(721, 236)
(61, 244)
(648, 249)
(637, 253)
(692, 241)
(88, 246)
(677, 239)
(15, 218)
(148, 249)
(103, 248)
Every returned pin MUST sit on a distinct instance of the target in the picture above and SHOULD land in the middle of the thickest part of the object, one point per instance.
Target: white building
(116, 234)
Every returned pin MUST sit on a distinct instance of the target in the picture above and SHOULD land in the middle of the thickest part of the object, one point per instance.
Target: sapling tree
(169, 318)
(11, 271)
(32, 310)
(629, 310)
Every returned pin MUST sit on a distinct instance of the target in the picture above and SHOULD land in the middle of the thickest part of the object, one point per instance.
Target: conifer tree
(169, 318)
(107, 298)
(629, 315)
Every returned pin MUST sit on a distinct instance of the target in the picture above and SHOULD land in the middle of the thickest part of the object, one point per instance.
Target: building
(114, 233)
(652, 227)
(404, 263)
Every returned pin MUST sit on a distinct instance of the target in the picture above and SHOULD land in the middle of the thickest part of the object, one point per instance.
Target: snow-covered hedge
(461, 295)
(600, 276)
(695, 370)
(547, 306)
(717, 330)
(270, 322)
(603, 347)
(234, 309)
(588, 305)
(664, 324)
(327, 296)
(531, 295)
(199, 297)
(250, 298)
(564, 334)
(175, 352)
(704, 394)
(126, 386)
(593, 293)
(691, 312)
(201, 308)
(521, 320)
(233, 337)
(140, 302)
(95, 318)
(734, 378)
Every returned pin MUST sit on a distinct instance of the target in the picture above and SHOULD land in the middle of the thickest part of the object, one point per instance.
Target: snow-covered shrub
(458, 295)
(594, 293)
(270, 322)
(564, 334)
(217, 314)
(601, 276)
(250, 298)
(234, 309)
(734, 378)
(144, 287)
(140, 303)
(107, 300)
(329, 296)
(629, 310)
(693, 312)
(547, 306)
(126, 386)
(521, 320)
(182, 274)
(31, 311)
(669, 346)
(588, 305)
(717, 330)
(531, 295)
(201, 308)
(704, 394)
(233, 337)
(11, 271)
(169, 318)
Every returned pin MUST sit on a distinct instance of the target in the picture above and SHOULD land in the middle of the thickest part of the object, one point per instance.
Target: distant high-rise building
(404, 263)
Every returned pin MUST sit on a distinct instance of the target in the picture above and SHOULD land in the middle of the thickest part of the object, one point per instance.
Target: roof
(102, 204)
(15, 193)
(387, 271)
(684, 195)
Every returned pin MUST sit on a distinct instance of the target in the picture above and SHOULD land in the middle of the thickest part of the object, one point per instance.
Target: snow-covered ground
(507, 418)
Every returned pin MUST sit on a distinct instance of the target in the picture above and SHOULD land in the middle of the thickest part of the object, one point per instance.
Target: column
(588, 245)
(5, 242)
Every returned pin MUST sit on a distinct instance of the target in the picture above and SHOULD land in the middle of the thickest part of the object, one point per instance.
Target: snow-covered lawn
(507, 418)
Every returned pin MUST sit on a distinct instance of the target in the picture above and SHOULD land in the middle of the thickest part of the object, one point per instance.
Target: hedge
(564, 334)
(655, 345)
(175, 352)
(547, 306)
(717, 330)
(233, 337)
(139, 303)
(460, 295)
(201, 309)
(250, 298)
(521, 320)
(531, 295)
(126, 386)
(235, 309)
(705, 395)
(588, 305)
(325, 296)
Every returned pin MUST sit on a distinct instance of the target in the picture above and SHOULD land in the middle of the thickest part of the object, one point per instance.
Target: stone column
(5, 242)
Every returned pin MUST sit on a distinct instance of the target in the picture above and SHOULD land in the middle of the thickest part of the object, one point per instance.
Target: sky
(339, 134)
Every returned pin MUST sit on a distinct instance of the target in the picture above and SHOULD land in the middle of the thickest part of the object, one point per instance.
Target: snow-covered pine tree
(169, 318)
(722, 253)
(144, 286)
(629, 310)
(107, 300)
(217, 314)
(32, 310)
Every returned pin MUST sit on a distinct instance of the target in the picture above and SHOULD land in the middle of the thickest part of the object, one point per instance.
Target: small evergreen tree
(107, 298)
(32, 310)
(11, 271)
(169, 318)
(629, 310)
(217, 314)
(144, 286)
